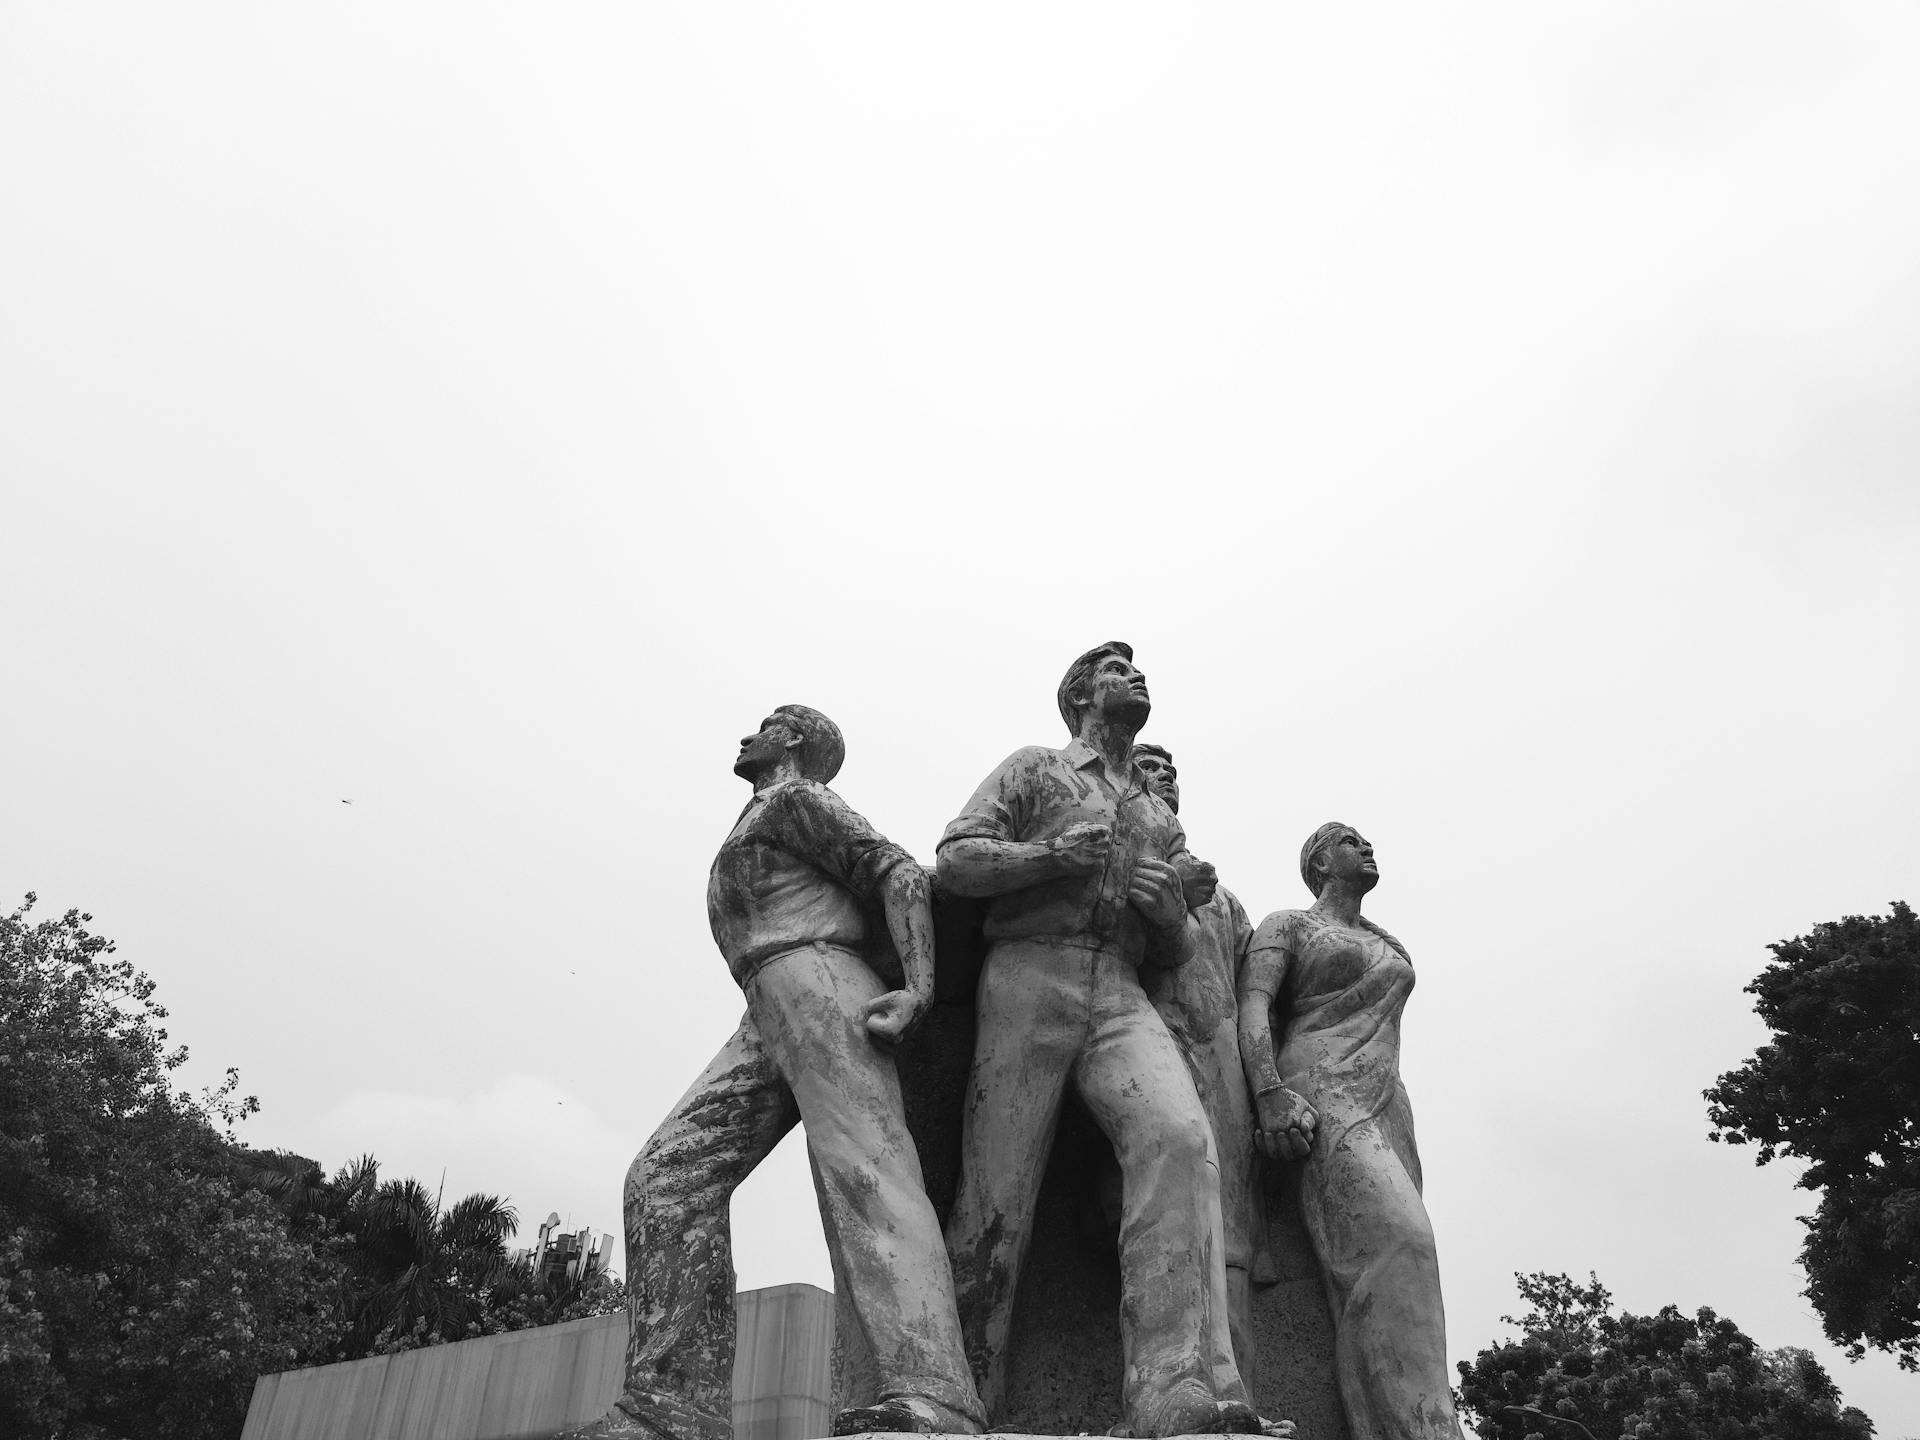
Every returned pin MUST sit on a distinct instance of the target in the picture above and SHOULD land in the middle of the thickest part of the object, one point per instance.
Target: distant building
(567, 1259)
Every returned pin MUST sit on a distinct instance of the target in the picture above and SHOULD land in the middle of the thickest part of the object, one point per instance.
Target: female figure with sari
(1321, 993)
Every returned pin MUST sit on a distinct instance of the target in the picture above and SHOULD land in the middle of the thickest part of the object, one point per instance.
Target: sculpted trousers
(1214, 1062)
(802, 1053)
(1052, 1014)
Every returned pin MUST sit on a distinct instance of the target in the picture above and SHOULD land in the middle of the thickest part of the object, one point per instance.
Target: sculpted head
(1104, 682)
(813, 741)
(1337, 851)
(1163, 777)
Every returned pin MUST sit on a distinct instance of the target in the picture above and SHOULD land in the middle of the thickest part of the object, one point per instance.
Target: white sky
(1494, 426)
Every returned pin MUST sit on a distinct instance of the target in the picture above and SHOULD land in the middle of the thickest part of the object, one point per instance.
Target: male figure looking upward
(785, 902)
(1197, 1002)
(1078, 857)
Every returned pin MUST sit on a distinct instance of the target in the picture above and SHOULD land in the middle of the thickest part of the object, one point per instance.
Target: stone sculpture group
(1116, 968)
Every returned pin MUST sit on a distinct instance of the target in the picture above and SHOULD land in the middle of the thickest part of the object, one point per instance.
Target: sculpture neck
(1112, 740)
(1340, 901)
(782, 770)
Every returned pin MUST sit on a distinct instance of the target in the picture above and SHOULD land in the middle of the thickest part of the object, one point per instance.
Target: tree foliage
(151, 1267)
(1839, 1087)
(141, 1290)
(1578, 1367)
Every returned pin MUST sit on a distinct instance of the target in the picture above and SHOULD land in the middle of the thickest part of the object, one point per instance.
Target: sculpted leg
(1029, 1030)
(880, 1226)
(1222, 1084)
(1179, 1373)
(679, 1371)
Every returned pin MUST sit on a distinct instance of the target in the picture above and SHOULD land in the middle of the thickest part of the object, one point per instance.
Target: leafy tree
(1839, 1087)
(1579, 1369)
(141, 1289)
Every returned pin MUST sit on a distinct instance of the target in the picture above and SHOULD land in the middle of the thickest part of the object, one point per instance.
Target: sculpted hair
(1147, 747)
(1081, 671)
(822, 749)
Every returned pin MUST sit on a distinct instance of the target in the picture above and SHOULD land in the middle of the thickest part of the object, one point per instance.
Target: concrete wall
(531, 1383)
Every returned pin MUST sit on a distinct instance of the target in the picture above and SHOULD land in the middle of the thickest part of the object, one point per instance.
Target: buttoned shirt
(800, 868)
(1035, 795)
(1197, 998)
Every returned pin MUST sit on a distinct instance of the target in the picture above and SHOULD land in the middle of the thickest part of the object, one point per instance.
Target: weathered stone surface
(828, 929)
(1084, 868)
(1065, 1354)
(1321, 996)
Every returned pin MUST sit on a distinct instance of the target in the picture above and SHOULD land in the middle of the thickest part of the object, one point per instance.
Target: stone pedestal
(1066, 1339)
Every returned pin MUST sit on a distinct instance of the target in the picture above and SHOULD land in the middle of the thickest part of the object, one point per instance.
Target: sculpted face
(1163, 777)
(761, 751)
(1118, 692)
(1350, 858)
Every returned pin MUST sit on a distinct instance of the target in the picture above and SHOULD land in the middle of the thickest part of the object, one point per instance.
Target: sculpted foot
(1190, 1409)
(904, 1415)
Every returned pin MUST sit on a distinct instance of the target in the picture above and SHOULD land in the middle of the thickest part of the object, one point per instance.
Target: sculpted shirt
(1035, 795)
(795, 871)
(1198, 998)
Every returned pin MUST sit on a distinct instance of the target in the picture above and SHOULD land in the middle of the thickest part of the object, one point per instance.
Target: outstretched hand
(1286, 1125)
(891, 1017)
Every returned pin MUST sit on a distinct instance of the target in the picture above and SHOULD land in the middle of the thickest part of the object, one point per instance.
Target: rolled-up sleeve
(810, 822)
(1002, 806)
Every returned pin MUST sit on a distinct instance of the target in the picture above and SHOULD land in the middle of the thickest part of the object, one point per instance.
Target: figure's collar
(1080, 755)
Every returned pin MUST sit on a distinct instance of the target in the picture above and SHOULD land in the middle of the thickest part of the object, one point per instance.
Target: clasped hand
(1156, 893)
(1287, 1125)
(891, 1017)
(1082, 849)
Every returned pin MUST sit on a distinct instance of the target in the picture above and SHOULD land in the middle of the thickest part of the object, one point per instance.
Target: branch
(1556, 1419)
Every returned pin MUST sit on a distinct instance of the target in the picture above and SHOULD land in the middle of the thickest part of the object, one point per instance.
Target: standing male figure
(1197, 1002)
(1078, 857)
(785, 901)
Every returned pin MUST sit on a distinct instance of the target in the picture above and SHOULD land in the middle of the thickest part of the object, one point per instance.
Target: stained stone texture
(1065, 1350)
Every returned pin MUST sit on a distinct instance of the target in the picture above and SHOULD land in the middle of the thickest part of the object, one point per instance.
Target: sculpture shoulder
(1029, 758)
(804, 797)
(1281, 930)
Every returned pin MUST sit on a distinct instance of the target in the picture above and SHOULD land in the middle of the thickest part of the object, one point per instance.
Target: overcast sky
(1495, 427)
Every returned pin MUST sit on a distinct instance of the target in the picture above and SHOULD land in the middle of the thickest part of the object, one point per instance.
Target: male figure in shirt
(784, 900)
(1198, 1003)
(1079, 857)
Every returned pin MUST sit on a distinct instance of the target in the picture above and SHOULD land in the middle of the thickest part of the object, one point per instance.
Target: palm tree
(421, 1274)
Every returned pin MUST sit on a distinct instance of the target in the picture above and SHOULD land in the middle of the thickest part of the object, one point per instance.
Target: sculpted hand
(892, 1017)
(1287, 1125)
(1081, 849)
(1155, 892)
(1198, 885)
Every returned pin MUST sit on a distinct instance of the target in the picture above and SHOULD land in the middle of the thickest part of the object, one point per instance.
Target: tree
(1839, 1086)
(141, 1289)
(1580, 1369)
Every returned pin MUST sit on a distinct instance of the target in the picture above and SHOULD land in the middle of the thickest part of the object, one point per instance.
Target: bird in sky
(346, 802)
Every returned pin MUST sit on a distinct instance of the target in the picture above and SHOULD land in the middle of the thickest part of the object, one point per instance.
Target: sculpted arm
(979, 867)
(907, 900)
(982, 853)
(1286, 1121)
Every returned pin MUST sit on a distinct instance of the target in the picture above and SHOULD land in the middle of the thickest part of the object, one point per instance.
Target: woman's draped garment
(1360, 1188)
